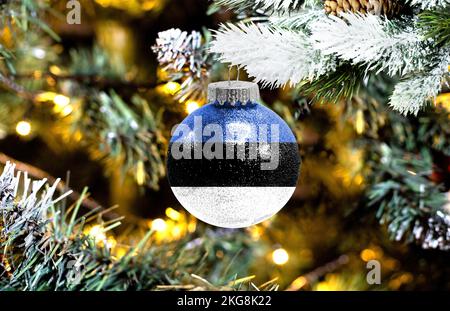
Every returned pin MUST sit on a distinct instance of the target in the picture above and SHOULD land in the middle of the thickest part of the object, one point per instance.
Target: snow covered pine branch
(274, 56)
(307, 44)
(261, 5)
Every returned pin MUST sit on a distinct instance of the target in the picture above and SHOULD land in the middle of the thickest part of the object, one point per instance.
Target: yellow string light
(96, 232)
(133, 6)
(192, 226)
(66, 111)
(159, 225)
(443, 100)
(45, 96)
(256, 232)
(61, 100)
(176, 231)
(55, 70)
(37, 74)
(280, 256)
(140, 173)
(23, 128)
(298, 283)
(173, 214)
(171, 88)
(110, 242)
(367, 254)
(120, 251)
(172, 228)
(191, 106)
(374, 252)
(360, 123)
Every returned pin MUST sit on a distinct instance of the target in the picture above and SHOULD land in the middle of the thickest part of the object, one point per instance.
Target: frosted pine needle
(274, 56)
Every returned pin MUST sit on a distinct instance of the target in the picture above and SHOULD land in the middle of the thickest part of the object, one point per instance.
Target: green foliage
(18, 18)
(333, 87)
(406, 177)
(407, 199)
(129, 134)
(44, 246)
(94, 62)
(125, 134)
(436, 25)
(241, 6)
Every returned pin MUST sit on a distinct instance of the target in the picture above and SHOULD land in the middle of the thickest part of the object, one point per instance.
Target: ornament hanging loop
(230, 67)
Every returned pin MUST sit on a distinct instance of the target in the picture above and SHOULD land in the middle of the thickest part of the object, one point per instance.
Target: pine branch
(19, 17)
(434, 130)
(436, 25)
(429, 4)
(274, 56)
(301, 20)
(412, 93)
(314, 275)
(410, 204)
(95, 62)
(37, 173)
(43, 246)
(184, 58)
(124, 135)
(272, 6)
(341, 84)
(18, 89)
(373, 41)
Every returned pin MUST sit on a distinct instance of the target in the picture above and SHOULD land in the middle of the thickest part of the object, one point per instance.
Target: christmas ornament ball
(233, 162)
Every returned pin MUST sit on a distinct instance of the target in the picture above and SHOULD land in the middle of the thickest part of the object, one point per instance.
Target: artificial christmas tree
(92, 104)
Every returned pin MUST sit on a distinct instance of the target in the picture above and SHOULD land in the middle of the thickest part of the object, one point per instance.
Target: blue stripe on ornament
(240, 116)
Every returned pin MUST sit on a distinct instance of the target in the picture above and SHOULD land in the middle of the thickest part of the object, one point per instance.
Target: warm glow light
(359, 179)
(173, 214)
(256, 232)
(140, 173)
(368, 254)
(97, 233)
(110, 242)
(3, 133)
(280, 256)
(360, 122)
(192, 226)
(120, 252)
(191, 106)
(444, 100)
(148, 5)
(176, 232)
(39, 53)
(66, 110)
(171, 88)
(298, 283)
(61, 100)
(23, 128)
(159, 225)
(323, 287)
(55, 70)
(46, 96)
(37, 74)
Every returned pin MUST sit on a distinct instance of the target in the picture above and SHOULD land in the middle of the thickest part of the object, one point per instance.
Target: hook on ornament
(230, 67)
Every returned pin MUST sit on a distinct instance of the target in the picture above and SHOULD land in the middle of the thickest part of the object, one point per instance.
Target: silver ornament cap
(233, 93)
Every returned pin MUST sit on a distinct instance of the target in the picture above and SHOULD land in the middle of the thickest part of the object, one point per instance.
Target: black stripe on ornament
(240, 172)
